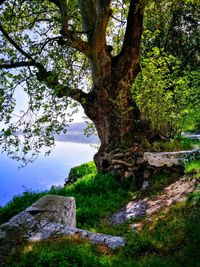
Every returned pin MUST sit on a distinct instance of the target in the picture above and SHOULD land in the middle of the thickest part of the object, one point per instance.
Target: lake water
(44, 172)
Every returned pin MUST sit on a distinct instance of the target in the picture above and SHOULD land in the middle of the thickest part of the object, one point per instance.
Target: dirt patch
(175, 192)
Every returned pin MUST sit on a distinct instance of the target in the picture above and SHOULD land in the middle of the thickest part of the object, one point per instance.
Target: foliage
(35, 33)
(46, 115)
(173, 26)
(194, 198)
(156, 102)
(167, 89)
(168, 99)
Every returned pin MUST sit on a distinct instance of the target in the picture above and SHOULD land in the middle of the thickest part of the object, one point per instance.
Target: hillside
(75, 134)
(168, 237)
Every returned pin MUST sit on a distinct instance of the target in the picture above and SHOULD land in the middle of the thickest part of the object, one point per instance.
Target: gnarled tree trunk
(109, 104)
(120, 129)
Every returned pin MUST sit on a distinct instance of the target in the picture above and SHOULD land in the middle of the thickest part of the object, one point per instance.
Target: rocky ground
(146, 207)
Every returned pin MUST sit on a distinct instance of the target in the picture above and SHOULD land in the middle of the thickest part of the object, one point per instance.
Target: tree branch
(134, 25)
(88, 10)
(32, 61)
(99, 35)
(74, 41)
(17, 47)
(48, 77)
(95, 16)
(63, 7)
(132, 40)
(16, 65)
(51, 80)
(69, 37)
(75, 94)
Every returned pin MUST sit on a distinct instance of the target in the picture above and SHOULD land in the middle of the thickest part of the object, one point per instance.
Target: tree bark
(120, 129)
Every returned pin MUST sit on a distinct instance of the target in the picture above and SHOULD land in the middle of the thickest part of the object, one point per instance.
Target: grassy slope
(170, 239)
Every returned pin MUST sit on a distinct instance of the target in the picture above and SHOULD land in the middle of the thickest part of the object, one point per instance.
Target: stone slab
(159, 159)
(54, 208)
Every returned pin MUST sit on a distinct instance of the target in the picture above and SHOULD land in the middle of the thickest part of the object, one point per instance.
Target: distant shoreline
(77, 142)
(77, 138)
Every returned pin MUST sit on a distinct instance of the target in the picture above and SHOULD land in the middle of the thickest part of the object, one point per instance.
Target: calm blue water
(44, 172)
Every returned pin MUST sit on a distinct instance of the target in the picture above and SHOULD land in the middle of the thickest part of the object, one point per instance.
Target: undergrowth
(176, 144)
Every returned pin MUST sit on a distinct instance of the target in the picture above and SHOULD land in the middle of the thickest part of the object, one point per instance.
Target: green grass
(18, 204)
(82, 170)
(96, 197)
(169, 239)
(193, 167)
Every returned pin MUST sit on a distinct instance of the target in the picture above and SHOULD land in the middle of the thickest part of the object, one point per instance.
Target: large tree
(87, 51)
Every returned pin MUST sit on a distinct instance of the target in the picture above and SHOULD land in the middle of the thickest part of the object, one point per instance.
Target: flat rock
(134, 209)
(52, 208)
(53, 230)
(191, 136)
(21, 227)
(159, 159)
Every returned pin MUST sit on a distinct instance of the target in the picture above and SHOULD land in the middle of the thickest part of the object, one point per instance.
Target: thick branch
(51, 80)
(89, 12)
(95, 16)
(73, 40)
(76, 95)
(70, 38)
(134, 25)
(62, 5)
(99, 35)
(128, 60)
